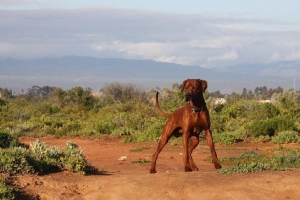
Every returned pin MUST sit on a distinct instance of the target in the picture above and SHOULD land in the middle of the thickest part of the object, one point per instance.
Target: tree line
(127, 110)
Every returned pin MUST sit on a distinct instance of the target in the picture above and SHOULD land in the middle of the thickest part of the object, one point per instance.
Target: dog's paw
(218, 166)
(153, 171)
(188, 169)
(194, 167)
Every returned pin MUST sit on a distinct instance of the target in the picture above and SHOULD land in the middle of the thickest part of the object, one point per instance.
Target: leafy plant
(138, 149)
(269, 127)
(286, 137)
(7, 140)
(253, 162)
(45, 158)
(15, 161)
(6, 191)
(227, 138)
(141, 161)
(73, 158)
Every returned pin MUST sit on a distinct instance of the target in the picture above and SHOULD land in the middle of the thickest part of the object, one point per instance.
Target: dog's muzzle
(188, 96)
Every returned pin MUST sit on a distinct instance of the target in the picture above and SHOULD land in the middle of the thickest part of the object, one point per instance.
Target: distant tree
(245, 93)
(41, 92)
(60, 97)
(124, 92)
(216, 94)
(6, 93)
(80, 97)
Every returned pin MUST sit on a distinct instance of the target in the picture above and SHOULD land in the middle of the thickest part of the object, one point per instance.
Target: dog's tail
(162, 113)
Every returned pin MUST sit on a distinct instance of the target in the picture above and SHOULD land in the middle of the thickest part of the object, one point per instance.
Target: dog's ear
(183, 84)
(203, 84)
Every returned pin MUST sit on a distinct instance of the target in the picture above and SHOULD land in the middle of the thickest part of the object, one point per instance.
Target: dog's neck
(196, 107)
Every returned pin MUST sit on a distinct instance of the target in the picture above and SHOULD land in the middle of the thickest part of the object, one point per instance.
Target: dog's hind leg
(166, 135)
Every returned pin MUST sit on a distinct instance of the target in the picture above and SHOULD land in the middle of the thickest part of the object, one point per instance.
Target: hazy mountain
(279, 69)
(70, 71)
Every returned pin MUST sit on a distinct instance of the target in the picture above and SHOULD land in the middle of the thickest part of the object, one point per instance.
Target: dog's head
(193, 88)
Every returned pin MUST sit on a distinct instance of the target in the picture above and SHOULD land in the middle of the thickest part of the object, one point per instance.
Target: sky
(210, 33)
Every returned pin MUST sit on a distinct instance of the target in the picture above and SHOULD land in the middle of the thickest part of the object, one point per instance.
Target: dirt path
(122, 179)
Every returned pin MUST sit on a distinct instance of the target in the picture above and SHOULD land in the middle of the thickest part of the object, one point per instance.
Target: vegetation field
(67, 140)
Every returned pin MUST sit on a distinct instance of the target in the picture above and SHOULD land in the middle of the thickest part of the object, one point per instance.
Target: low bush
(45, 158)
(15, 161)
(6, 191)
(262, 138)
(42, 158)
(7, 140)
(253, 162)
(227, 138)
(285, 137)
(269, 127)
(73, 159)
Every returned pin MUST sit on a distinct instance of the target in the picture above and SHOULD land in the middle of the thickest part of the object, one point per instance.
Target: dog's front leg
(211, 145)
(187, 166)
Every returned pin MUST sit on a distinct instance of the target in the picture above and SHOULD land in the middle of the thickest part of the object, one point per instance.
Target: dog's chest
(199, 121)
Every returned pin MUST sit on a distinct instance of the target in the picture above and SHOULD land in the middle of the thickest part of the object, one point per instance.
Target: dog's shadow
(99, 173)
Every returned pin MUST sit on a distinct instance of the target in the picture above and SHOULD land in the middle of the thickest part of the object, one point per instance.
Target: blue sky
(211, 33)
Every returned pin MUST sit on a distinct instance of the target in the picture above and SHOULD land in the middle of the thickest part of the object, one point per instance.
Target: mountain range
(70, 71)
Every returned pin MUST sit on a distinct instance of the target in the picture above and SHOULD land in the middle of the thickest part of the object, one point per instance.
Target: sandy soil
(122, 179)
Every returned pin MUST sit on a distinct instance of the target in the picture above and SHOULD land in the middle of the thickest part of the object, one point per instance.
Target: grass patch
(141, 161)
(6, 191)
(285, 137)
(251, 161)
(227, 138)
(138, 149)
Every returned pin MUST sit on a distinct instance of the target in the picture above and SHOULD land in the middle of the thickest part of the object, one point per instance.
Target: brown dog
(188, 121)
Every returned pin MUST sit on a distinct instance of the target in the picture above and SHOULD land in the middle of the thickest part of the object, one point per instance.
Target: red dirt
(119, 179)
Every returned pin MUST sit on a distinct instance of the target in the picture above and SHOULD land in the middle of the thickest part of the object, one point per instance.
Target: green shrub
(73, 159)
(227, 138)
(45, 158)
(269, 127)
(7, 140)
(6, 191)
(262, 138)
(253, 162)
(286, 137)
(14, 161)
(105, 128)
(151, 133)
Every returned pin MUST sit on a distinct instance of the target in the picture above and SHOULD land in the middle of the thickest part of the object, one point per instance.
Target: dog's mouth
(188, 97)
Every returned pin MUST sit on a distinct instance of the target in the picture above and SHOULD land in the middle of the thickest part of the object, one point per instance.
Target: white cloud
(183, 39)
(275, 57)
(232, 55)
(148, 50)
(215, 43)
(293, 56)
(12, 2)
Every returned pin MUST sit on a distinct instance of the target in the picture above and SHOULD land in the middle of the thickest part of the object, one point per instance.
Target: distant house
(97, 94)
(265, 101)
(220, 101)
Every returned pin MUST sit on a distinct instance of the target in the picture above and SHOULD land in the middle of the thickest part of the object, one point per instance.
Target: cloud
(184, 39)
(292, 56)
(232, 55)
(12, 2)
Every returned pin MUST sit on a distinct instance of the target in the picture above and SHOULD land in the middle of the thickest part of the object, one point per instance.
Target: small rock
(122, 158)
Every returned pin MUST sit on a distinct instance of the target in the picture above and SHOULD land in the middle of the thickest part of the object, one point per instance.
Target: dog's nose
(188, 96)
